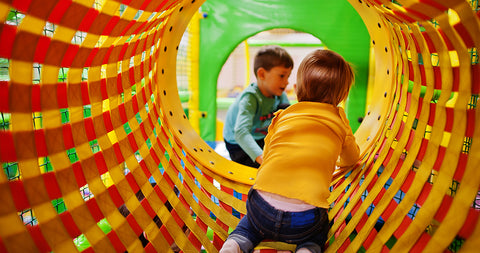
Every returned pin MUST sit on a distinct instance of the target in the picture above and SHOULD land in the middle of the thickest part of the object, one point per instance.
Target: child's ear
(261, 73)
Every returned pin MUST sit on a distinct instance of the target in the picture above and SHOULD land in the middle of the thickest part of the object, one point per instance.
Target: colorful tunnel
(91, 116)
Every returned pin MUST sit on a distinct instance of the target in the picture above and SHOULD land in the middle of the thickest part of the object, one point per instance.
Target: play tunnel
(92, 125)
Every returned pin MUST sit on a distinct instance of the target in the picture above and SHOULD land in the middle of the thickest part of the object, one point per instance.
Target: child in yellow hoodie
(288, 201)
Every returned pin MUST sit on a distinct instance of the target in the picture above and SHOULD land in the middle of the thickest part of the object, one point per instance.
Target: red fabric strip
(123, 50)
(154, 156)
(166, 235)
(91, 56)
(445, 39)
(36, 103)
(115, 195)
(195, 242)
(217, 241)
(111, 24)
(85, 96)
(38, 238)
(89, 129)
(19, 195)
(67, 136)
(463, 32)
(40, 143)
(70, 55)
(371, 236)
(51, 185)
(131, 181)
(403, 227)
(108, 121)
(408, 181)
(107, 55)
(470, 224)
(476, 78)
(70, 225)
(79, 176)
(118, 153)
(62, 95)
(438, 78)
(123, 114)
(88, 20)
(160, 193)
(423, 148)
(456, 79)
(417, 13)
(3, 249)
(4, 98)
(145, 170)
(148, 208)
(100, 161)
(403, 16)
(149, 248)
(57, 13)
(21, 5)
(439, 160)
(7, 149)
(462, 164)
(435, 4)
(41, 50)
(133, 144)
(142, 129)
(443, 208)
(424, 194)
(131, 75)
(135, 104)
(470, 123)
(389, 210)
(134, 225)
(7, 37)
(450, 117)
(117, 244)
(94, 209)
(119, 84)
(421, 243)
(361, 223)
(103, 88)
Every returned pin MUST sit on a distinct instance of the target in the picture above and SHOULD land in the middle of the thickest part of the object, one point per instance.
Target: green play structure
(227, 23)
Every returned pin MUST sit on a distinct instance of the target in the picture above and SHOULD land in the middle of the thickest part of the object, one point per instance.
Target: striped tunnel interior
(99, 156)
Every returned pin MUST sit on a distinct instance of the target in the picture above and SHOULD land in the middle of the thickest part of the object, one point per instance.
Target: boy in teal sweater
(250, 115)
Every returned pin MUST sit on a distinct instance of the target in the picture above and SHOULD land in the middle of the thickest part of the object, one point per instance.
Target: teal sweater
(248, 119)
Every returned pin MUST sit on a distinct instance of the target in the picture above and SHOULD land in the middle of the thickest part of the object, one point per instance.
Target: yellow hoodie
(303, 145)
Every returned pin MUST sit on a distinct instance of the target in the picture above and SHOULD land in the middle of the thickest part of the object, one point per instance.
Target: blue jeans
(237, 154)
(307, 229)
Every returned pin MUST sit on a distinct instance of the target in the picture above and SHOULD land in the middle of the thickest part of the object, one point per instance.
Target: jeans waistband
(271, 212)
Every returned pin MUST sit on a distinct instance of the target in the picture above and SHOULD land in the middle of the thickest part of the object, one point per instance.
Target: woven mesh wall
(90, 116)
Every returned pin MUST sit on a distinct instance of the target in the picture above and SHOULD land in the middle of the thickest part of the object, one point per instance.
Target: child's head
(324, 76)
(272, 67)
(271, 56)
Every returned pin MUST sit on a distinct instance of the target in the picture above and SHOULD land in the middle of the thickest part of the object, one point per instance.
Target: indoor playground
(110, 119)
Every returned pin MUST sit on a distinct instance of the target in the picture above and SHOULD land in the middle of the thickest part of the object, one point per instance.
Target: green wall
(228, 23)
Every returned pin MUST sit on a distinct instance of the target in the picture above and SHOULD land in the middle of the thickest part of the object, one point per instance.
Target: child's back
(289, 200)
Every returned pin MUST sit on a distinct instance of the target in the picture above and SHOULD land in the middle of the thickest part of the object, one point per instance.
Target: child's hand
(259, 159)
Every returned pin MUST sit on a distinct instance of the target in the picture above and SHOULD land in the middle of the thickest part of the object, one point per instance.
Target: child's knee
(303, 250)
(309, 247)
(230, 246)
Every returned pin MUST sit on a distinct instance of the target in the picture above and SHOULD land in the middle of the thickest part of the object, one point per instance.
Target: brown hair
(324, 76)
(272, 56)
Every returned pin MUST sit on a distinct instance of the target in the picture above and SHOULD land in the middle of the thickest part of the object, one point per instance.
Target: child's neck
(261, 87)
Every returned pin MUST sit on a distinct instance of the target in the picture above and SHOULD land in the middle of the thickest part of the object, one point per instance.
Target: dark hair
(324, 76)
(272, 56)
